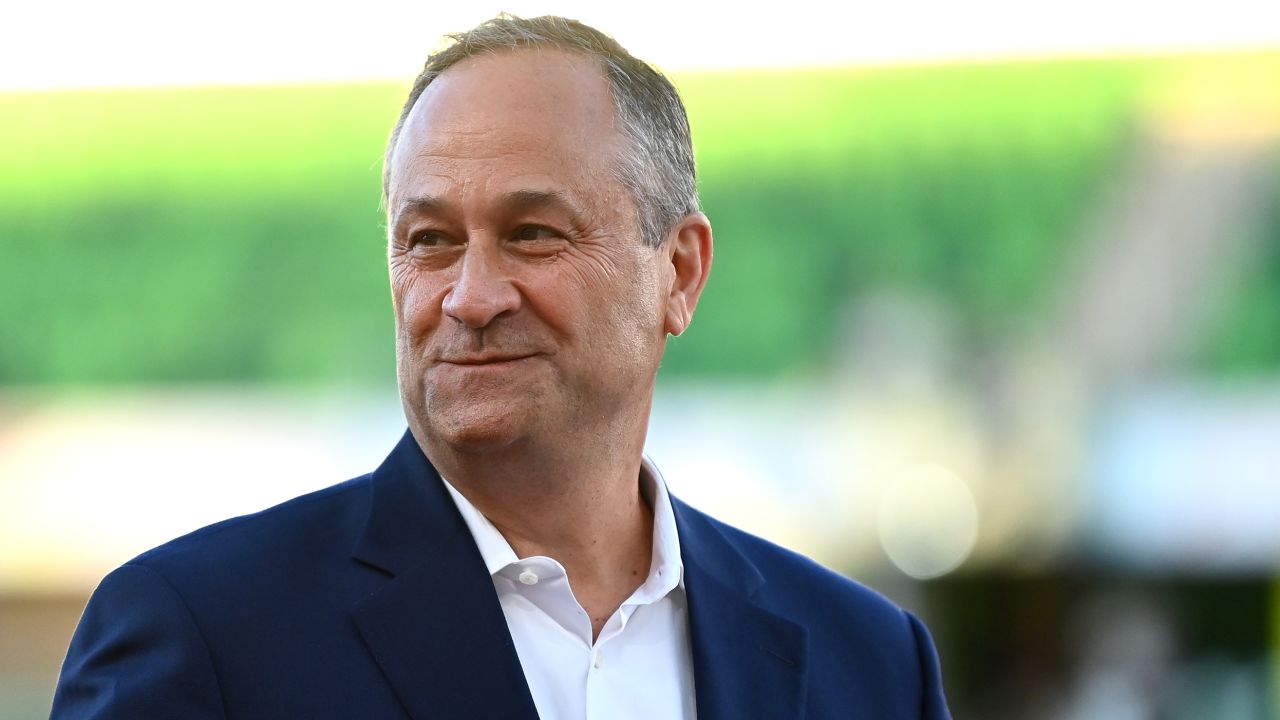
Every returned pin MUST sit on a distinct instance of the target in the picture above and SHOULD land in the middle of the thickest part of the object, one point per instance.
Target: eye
(534, 233)
(427, 238)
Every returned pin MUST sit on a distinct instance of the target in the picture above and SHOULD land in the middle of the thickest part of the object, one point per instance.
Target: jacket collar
(439, 635)
(435, 628)
(748, 661)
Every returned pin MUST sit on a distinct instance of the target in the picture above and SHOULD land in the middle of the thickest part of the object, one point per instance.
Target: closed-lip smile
(494, 359)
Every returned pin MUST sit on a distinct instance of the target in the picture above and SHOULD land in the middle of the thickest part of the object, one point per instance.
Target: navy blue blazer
(369, 599)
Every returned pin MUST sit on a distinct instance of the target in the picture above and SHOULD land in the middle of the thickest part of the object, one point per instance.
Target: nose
(482, 291)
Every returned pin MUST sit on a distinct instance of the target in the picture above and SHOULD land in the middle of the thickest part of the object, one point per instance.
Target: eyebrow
(513, 201)
(529, 199)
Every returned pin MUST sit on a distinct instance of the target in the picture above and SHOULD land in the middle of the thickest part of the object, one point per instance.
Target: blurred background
(994, 325)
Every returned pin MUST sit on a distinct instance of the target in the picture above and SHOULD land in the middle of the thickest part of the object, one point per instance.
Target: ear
(689, 249)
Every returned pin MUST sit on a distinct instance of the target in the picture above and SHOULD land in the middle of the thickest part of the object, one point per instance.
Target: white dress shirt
(641, 665)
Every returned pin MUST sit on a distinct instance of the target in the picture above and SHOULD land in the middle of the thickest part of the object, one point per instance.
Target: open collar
(437, 631)
(666, 571)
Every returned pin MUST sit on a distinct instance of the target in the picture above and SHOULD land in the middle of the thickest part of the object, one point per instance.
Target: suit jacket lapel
(437, 631)
(748, 662)
(436, 628)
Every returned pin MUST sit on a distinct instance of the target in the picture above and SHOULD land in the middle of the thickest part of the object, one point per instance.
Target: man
(515, 556)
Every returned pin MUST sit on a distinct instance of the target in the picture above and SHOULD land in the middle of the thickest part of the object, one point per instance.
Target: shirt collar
(666, 570)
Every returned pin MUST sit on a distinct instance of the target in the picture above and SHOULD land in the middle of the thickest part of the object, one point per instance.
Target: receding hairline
(597, 63)
(655, 161)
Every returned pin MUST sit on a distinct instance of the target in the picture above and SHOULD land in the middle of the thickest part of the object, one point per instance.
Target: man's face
(527, 305)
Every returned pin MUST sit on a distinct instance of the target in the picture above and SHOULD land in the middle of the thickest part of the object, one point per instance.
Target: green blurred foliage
(1243, 338)
(194, 234)
(235, 233)
(966, 182)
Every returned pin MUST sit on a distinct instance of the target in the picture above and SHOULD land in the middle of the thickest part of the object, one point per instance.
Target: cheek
(637, 289)
(622, 310)
(416, 299)
(555, 299)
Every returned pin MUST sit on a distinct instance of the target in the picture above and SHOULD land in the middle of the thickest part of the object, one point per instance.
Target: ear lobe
(689, 247)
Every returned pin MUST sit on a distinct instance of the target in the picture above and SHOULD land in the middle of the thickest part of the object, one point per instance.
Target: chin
(475, 428)
(474, 440)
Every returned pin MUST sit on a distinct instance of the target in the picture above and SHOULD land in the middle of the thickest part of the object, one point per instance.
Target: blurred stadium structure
(1002, 339)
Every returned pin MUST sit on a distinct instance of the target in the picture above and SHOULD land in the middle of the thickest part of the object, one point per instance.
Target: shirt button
(529, 577)
(598, 661)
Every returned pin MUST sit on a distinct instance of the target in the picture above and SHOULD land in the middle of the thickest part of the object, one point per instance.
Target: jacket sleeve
(933, 702)
(137, 653)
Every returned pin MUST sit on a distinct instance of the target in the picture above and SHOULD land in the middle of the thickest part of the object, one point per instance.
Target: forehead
(533, 111)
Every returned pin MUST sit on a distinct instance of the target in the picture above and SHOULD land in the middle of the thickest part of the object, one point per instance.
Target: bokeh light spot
(928, 521)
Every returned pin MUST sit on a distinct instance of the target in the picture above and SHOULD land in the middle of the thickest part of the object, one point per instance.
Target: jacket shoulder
(880, 655)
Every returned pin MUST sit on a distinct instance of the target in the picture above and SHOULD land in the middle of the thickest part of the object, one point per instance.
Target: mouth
(484, 360)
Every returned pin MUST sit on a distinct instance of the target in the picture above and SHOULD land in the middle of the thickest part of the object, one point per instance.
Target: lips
(483, 359)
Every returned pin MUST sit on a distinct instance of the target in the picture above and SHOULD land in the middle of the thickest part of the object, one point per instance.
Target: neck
(580, 504)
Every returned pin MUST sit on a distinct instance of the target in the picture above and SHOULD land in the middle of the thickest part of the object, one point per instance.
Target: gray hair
(657, 162)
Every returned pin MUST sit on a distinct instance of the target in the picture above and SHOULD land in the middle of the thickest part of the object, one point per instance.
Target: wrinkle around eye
(416, 255)
(537, 242)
